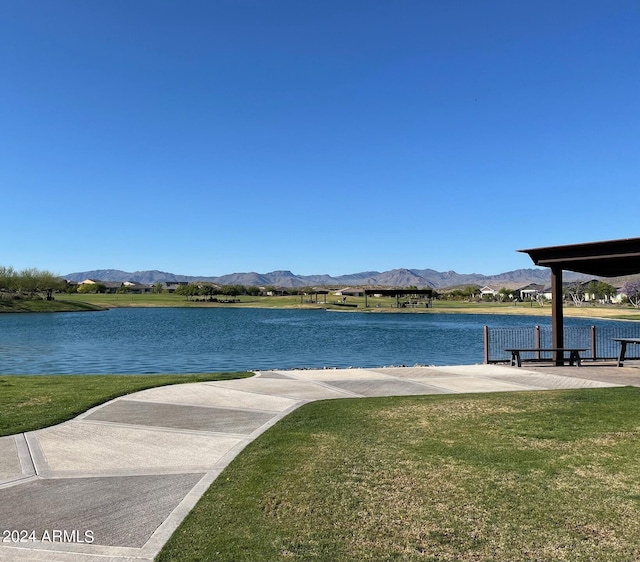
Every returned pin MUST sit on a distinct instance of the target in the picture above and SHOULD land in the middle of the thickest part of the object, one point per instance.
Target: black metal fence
(598, 340)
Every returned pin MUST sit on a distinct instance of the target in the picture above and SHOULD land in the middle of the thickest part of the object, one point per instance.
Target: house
(170, 287)
(137, 288)
(109, 286)
(488, 292)
(90, 282)
(350, 292)
(584, 291)
(529, 291)
(112, 286)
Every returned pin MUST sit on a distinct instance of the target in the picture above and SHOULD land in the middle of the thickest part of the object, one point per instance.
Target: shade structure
(609, 258)
(395, 293)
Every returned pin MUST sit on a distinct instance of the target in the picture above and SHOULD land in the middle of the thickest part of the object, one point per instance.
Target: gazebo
(610, 258)
(396, 293)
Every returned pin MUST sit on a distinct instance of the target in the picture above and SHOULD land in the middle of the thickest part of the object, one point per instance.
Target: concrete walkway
(113, 484)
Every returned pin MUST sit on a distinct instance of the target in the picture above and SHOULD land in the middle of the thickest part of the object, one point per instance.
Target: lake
(196, 340)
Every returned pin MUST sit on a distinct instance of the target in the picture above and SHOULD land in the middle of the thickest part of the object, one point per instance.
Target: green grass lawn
(58, 305)
(380, 304)
(526, 476)
(29, 402)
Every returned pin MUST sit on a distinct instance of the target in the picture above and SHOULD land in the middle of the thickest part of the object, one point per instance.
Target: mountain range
(394, 278)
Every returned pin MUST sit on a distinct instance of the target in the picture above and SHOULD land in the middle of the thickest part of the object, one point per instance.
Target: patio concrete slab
(90, 447)
(547, 381)
(207, 394)
(415, 373)
(110, 511)
(385, 387)
(466, 383)
(179, 416)
(10, 467)
(274, 375)
(338, 374)
(605, 372)
(475, 370)
(297, 389)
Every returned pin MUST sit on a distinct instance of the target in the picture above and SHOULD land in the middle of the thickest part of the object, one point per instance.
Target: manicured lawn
(29, 402)
(503, 477)
(382, 304)
(26, 305)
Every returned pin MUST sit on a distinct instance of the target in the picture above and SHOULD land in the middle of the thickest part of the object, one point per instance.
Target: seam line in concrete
(35, 454)
(165, 429)
(132, 398)
(24, 456)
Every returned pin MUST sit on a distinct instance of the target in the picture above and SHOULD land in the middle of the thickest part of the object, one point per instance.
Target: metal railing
(598, 340)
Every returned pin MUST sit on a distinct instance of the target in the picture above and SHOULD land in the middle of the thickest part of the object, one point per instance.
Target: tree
(46, 282)
(231, 290)
(503, 293)
(576, 292)
(631, 289)
(187, 291)
(207, 290)
(252, 290)
(467, 292)
(69, 288)
(30, 281)
(8, 279)
(158, 288)
(601, 290)
(92, 288)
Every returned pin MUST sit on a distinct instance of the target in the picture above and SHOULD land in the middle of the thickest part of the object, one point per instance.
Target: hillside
(393, 278)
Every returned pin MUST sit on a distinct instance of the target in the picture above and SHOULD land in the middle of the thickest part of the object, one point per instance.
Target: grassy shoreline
(380, 305)
(27, 305)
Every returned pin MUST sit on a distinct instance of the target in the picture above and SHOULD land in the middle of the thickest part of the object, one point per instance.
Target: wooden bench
(574, 354)
(623, 347)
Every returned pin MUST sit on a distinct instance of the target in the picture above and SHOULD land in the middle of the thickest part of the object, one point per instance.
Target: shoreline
(101, 303)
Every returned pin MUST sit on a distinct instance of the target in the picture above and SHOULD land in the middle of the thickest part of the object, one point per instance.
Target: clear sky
(205, 137)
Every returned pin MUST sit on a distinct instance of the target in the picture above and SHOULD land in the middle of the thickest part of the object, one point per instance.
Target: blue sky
(219, 136)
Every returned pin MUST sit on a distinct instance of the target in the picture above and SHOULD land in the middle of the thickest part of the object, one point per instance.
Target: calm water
(169, 340)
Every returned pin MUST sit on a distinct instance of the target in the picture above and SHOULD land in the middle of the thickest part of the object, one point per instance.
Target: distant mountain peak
(282, 273)
(400, 277)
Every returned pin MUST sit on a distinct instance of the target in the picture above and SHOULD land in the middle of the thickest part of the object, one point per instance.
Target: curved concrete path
(113, 484)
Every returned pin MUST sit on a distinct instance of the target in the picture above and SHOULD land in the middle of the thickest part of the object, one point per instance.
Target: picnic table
(623, 347)
(574, 353)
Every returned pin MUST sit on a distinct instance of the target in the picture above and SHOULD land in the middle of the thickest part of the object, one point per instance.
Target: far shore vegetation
(386, 304)
(32, 290)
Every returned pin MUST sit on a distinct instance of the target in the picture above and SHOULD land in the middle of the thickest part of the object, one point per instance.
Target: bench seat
(623, 347)
(574, 353)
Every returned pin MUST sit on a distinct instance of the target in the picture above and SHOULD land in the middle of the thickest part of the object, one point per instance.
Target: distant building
(488, 292)
(170, 287)
(137, 288)
(109, 286)
(350, 292)
(529, 291)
